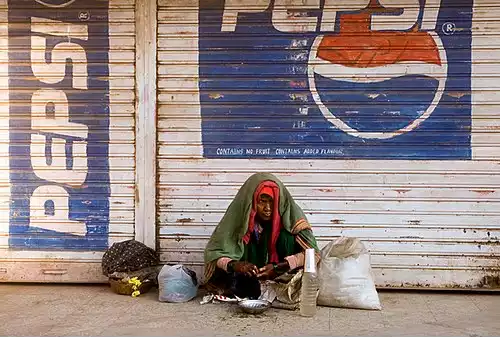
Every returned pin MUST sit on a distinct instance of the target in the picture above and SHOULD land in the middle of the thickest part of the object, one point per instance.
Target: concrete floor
(62, 310)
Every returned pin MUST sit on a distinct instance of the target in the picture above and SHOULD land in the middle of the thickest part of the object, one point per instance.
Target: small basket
(123, 287)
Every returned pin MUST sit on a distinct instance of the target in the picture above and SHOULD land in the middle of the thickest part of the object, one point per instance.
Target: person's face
(265, 207)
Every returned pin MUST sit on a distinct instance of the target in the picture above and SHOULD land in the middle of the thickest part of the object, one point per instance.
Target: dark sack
(128, 256)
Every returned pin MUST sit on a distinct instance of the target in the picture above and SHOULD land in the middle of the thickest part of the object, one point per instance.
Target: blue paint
(255, 94)
(409, 104)
(90, 202)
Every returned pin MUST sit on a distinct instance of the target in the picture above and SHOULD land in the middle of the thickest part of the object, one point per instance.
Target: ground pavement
(76, 310)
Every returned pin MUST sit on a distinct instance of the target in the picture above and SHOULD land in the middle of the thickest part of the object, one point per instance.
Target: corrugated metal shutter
(383, 123)
(67, 175)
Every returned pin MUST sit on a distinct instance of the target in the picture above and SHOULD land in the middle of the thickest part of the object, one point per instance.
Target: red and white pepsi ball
(377, 85)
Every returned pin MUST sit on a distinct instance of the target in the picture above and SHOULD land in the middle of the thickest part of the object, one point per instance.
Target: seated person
(262, 235)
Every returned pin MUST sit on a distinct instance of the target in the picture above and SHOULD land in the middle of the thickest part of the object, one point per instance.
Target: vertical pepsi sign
(59, 124)
(336, 79)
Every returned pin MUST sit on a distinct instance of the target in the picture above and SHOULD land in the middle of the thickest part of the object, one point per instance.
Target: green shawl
(227, 238)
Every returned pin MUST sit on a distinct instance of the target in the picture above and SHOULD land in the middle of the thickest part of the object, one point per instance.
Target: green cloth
(227, 238)
(256, 252)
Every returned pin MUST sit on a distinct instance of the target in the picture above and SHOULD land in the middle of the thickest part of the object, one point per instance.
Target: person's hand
(267, 272)
(245, 268)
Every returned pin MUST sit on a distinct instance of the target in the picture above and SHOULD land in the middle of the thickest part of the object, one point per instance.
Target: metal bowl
(254, 306)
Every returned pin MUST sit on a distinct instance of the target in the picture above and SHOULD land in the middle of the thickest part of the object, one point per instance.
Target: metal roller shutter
(67, 136)
(382, 121)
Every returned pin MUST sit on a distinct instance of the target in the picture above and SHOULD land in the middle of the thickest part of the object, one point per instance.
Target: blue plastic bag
(177, 284)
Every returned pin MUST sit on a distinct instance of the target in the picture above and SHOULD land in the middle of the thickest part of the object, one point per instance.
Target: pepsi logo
(55, 3)
(376, 84)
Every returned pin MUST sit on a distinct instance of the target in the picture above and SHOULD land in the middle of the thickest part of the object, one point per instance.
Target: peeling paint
(299, 97)
(298, 43)
(457, 94)
(490, 281)
(304, 111)
(302, 56)
(215, 96)
(185, 220)
(296, 14)
(180, 236)
(483, 192)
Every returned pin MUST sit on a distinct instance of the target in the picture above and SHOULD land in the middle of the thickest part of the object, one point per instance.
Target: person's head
(264, 207)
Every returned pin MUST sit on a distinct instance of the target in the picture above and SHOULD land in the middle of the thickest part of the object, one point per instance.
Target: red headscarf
(270, 188)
